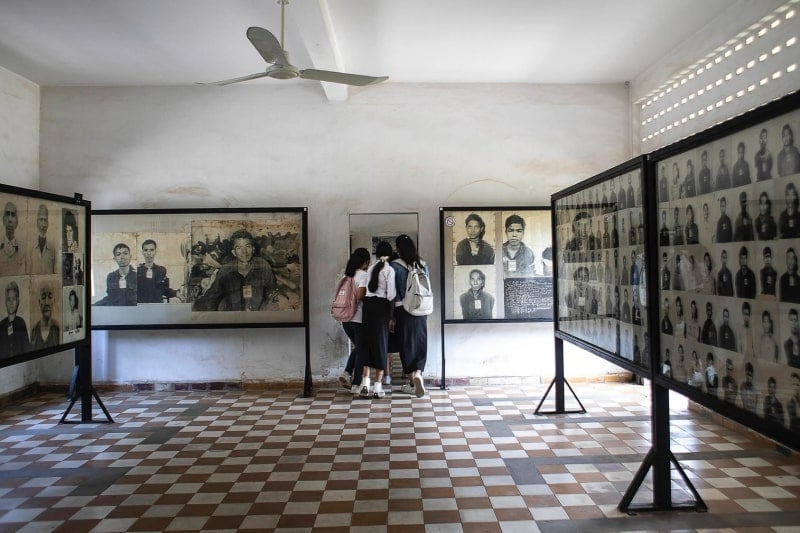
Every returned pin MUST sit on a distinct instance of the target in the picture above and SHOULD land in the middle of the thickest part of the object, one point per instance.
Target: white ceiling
(182, 42)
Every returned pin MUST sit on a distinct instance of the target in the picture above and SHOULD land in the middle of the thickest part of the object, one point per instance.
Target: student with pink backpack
(347, 308)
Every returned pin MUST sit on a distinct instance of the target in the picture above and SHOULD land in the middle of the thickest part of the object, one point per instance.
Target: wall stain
(190, 190)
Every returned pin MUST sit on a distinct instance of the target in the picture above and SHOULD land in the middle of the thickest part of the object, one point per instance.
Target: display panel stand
(558, 382)
(81, 387)
(443, 382)
(308, 385)
(660, 459)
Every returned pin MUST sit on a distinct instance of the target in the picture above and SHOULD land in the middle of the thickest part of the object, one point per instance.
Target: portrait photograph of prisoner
(244, 265)
(14, 326)
(45, 298)
(730, 299)
(525, 250)
(601, 266)
(73, 311)
(474, 239)
(15, 245)
(475, 290)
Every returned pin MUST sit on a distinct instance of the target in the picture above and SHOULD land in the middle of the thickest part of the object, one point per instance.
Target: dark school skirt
(375, 331)
(412, 332)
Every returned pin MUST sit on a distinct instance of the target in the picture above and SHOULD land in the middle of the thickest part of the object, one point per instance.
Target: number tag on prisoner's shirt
(477, 304)
(582, 301)
(10, 330)
(123, 284)
(247, 291)
(149, 274)
(512, 265)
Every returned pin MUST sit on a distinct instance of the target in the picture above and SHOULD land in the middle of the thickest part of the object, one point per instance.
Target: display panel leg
(81, 387)
(308, 384)
(661, 460)
(443, 382)
(558, 382)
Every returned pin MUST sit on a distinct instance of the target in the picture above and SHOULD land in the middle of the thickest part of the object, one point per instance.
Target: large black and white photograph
(34, 270)
(188, 268)
(601, 279)
(497, 263)
(729, 290)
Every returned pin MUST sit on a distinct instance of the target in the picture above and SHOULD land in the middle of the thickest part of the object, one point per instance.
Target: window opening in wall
(757, 65)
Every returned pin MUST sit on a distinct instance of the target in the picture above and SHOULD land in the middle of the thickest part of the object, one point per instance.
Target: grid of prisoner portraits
(214, 265)
(729, 290)
(42, 266)
(502, 264)
(602, 286)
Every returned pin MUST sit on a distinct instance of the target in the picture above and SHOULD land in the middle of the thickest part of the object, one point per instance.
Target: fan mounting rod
(283, 19)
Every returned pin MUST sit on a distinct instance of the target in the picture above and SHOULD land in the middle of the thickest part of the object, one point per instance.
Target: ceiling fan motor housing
(282, 72)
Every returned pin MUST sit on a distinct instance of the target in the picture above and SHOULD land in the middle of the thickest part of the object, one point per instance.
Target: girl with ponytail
(412, 331)
(377, 306)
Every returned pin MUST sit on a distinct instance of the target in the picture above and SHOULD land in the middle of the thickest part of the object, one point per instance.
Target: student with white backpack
(410, 320)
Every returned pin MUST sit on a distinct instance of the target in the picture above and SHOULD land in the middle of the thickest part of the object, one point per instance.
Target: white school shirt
(386, 288)
(361, 280)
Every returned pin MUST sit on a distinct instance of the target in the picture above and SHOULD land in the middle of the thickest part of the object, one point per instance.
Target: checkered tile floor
(466, 459)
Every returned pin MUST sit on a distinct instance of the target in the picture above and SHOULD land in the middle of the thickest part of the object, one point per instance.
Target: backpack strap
(402, 263)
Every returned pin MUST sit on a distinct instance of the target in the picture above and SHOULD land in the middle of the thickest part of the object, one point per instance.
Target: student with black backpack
(410, 320)
(356, 270)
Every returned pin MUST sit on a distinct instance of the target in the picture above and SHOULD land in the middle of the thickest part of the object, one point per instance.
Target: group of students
(380, 291)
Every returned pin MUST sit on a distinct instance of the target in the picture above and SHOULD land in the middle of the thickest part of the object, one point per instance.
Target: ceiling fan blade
(267, 45)
(341, 77)
(237, 80)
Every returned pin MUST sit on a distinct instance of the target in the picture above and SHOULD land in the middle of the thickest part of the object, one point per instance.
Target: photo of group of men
(729, 286)
(600, 236)
(210, 266)
(502, 264)
(42, 275)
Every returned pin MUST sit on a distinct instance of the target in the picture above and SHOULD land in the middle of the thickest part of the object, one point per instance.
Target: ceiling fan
(274, 53)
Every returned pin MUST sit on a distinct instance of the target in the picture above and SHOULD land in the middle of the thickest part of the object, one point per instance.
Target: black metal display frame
(659, 459)
(746, 127)
(83, 224)
(447, 268)
(226, 213)
(81, 388)
(561, 272)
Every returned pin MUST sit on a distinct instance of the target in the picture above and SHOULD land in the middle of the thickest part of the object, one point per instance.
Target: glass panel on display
(729, 288)
(601, 266)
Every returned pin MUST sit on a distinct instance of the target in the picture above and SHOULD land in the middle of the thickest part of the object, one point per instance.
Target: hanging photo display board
(601, 267)
(496, 264)
(729, 286)
(43, 274)
(198, 268)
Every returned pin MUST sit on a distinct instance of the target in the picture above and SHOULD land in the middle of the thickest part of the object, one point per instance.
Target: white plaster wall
(389, 148)
(19, 166)
(19, 131)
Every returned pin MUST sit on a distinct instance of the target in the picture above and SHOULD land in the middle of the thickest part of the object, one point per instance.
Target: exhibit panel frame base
(85, 393)
(560, 409)
(662, 500)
